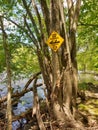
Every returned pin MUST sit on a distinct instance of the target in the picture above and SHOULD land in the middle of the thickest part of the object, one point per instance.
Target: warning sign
(55, 41)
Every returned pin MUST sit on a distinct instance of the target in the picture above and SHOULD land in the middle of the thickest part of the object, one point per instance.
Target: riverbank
(22, 107)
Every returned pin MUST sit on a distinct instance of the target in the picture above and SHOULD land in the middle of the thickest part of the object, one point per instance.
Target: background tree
(8, 68)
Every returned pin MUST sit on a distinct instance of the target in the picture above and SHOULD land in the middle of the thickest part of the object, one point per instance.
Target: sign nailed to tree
(55, 41)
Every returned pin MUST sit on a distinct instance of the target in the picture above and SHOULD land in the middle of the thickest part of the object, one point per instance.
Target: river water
(25, 101)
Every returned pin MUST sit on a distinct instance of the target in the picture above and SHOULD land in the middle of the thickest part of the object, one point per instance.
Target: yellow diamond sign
(54, 41)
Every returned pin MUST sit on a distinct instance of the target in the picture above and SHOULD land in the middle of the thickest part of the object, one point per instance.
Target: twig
(3, 99)
(31, 79)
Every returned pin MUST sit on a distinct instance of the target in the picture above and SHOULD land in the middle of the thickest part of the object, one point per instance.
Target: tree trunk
(59, 69)
(7, 57)
(61, 94)
(64, 84)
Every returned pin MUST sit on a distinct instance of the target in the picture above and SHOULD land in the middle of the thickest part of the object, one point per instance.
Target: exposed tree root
(84, 95)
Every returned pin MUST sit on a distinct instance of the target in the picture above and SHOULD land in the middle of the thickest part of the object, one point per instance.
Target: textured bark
(73, 20)
(36, 108)
(7, 57)
(64, 88)
(46, 15)
(56, 90)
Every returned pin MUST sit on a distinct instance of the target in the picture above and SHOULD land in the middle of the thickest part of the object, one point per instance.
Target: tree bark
(64, 84)
(7, 57)
(36, 108)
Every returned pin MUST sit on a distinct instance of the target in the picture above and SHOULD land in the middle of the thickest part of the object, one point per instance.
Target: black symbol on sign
(55, 48)
(55, 42)
(53, 36)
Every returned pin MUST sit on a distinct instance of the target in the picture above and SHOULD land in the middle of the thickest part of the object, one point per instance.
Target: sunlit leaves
(24, 60)
(7, 4)
(89, 11)
(87, 39)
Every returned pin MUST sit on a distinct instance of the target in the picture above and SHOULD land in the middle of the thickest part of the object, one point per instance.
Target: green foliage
(83, 86)
(83, 107)
(23, 57)
(24, 60)
(89, 106)
(7, 4)
(88, 59)
(87, 39)
(2, 58)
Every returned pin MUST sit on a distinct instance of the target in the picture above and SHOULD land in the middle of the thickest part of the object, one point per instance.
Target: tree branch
(87, 24)
(33, 37)
(18, 94)
(76, 14)
(31, 79)
(22, 115)
(40, 23)
(22, 28)
(65, 32)
(46, 15)
(71, 13)
(32, 19)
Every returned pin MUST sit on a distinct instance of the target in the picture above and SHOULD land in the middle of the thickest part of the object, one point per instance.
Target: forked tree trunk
(7, 57)
(64, 65)
(59, 69)
(62, 84)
